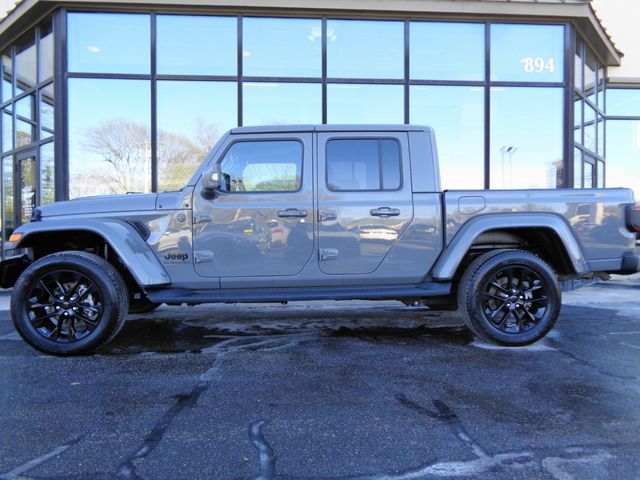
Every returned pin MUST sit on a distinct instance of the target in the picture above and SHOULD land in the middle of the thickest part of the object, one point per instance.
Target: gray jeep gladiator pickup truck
(277, 214)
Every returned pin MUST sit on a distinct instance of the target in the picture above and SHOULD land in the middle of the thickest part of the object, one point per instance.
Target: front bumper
(11, 268)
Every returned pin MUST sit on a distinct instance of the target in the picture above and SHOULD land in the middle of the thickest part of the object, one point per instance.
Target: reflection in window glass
(348, 103)
(282, 47)
(577, 75)
(390, 156)
(281, 103)
(623, 101)
(26, 62)
(47, 174)
(623, 154)
(356, 164)
(601, 88)
(269, 166)
(197, 45)
(520, 118)
(365, 49)
(600, 135)
(600, 183)
(577, 168)
(589, 128)
(46, 51)
(527, 53)
(7, 77)
(457, 116)
(7, 130)
(191, 118)
(353, 165)
(588, 173)
(590, 65)
(447, 51)
(25, 133)
(577, 121)
(46, 111)
(7, 184)
(25, 108)
(108, 42)
(109, 136)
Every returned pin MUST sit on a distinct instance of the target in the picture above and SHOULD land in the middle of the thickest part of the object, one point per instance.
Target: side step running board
(229, 295)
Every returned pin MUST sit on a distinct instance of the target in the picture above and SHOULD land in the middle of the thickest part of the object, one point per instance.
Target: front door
(25, 197)
(260, 222)
(364, 199)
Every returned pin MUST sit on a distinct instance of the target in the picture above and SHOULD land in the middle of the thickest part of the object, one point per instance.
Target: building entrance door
(25, 196)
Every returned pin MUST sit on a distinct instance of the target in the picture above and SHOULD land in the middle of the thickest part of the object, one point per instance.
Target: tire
(69, 303)
(509, 297)
(141, 305)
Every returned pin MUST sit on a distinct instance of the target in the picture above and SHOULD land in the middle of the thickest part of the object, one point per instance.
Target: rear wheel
(69, 303)
(509, 297)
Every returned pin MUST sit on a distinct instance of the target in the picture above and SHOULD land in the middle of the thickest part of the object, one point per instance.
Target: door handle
(292, 213)
(385, 212)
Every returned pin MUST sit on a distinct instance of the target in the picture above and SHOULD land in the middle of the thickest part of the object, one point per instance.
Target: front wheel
(509, 297)
(69, 303)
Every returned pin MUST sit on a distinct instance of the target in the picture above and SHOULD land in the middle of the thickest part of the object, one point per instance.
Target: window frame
(219, 160)
(378, 140)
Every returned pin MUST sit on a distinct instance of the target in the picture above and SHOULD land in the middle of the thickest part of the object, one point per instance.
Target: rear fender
(448, 263)
(121, 237)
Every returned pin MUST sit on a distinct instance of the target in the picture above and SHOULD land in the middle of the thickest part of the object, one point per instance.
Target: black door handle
(385, 212)
(292, 213)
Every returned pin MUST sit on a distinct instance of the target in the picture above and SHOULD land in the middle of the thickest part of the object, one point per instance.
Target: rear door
(364, 198)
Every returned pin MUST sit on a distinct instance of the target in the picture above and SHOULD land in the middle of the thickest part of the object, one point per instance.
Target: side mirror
(211, 181)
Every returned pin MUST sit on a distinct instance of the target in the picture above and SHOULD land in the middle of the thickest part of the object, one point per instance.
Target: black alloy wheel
(64, 306)
(69, 303)
(515, 299)
(509, 297)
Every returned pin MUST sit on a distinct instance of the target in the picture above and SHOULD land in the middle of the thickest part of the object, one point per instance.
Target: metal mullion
(240, 71)
(61, 127)
(623, 117)
(460, 83)
(487, 105)
(110, 76)
(197, 78)
(154, 106)
(407, 71)
(569, 131)
(324, 70)
(281, 80)
(366, 81)
(530, 84)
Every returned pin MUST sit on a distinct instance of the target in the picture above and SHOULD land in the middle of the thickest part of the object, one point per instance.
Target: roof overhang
(579, 12)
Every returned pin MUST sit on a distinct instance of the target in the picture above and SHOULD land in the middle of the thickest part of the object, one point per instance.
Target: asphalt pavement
(330, 391)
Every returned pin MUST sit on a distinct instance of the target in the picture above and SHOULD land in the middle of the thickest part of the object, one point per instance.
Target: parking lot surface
(330, 391)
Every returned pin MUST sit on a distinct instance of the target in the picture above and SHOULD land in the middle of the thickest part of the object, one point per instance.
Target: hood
(102, 204)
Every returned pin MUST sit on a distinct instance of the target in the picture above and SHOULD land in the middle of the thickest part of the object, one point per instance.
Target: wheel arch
(548, 235)
(119, 237)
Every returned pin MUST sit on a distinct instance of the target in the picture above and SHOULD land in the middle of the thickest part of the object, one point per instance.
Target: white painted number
(538, 65)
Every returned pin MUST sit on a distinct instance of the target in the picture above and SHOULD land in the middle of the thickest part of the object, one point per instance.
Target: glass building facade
(133, 101)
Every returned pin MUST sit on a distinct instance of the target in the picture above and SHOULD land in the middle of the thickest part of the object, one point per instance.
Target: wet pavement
(330, 391)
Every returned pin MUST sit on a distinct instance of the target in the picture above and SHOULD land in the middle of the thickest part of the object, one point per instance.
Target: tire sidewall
(29, 279)
(486, 271)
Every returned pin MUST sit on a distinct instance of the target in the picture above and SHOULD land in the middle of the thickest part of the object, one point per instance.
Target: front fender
(121, 237)
(447, 265)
